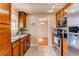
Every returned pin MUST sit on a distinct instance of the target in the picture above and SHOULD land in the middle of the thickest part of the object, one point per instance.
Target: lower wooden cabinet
(25, 49)
(15, 48)
(20, 46)
(65, 47)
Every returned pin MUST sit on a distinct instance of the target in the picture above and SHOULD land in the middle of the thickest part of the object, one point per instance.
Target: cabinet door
(61, 13)
(65, 47)
(16, 51)
(22, 20)
(5, 6)
(65, 8)
(57, 19)
(25, 44)
(28, 41)
(5, 32)
(16, 48)
(22, 46)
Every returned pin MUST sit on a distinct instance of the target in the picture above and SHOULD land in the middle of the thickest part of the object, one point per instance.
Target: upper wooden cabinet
(57, 19)
(15, 48)
(22, 20)
(66, 7)
(5, 31)
(61, 13)
(4, 6)
(22, 46)
(65, 47)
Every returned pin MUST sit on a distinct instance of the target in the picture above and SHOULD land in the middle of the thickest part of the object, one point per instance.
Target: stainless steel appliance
(60, 40)
(74, 29)
(65, 34)
(63, 22)
(73, 45)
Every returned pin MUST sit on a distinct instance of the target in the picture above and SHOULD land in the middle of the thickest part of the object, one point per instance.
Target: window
(14, 23)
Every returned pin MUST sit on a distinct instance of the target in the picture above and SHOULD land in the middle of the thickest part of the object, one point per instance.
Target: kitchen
(23, 26)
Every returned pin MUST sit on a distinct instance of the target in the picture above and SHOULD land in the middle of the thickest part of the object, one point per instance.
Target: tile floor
(41, 51)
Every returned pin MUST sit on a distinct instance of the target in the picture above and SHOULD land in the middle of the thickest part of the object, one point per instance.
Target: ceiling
(32, 8)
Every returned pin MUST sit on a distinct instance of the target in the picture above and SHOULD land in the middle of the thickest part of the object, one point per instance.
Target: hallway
(41, 51)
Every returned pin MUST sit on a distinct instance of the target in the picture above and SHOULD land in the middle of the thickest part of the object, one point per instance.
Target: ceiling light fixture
(56, 4)
(40, 39)
(53, 7)
(42, 22)
(50, 10)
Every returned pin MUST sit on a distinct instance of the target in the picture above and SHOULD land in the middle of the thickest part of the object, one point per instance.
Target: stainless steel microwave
(63, 22)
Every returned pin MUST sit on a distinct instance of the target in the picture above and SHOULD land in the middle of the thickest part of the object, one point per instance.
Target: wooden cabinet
(15, 48)
(57, 19)
(5, 6)
(61, 13)
(22, 46)
(5, 32)
(65, 8)
(65, 47)
(26, 43)
(22, 20)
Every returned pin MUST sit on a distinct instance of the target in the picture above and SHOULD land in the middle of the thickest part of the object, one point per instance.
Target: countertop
(17, 37)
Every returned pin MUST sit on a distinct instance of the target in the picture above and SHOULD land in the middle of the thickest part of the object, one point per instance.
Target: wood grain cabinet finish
(28, 44)
(65, 47)
(66, 7)
(22, 20)
(15, 48)
(22, 46)
(5, 32)
(57, 19)
(61, 14)
(25, 43)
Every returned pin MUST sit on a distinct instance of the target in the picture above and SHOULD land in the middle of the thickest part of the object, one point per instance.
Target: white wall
(38, 31)
(51, 25)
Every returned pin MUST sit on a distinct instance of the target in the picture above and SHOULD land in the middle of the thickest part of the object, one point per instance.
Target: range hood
(74, 9)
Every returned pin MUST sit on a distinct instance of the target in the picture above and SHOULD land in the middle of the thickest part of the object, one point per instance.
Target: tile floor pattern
(41, 51)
